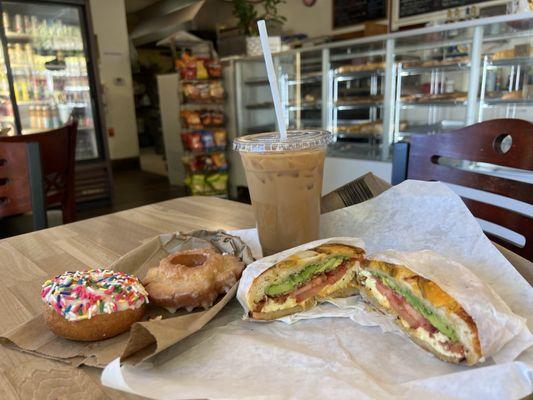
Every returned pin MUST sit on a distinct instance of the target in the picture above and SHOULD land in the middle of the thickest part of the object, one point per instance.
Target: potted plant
(246, 13)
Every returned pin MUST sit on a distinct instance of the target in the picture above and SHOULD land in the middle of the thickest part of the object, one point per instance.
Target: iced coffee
(285, 183)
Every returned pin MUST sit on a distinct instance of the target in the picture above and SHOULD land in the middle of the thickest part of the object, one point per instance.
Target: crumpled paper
(335, 357)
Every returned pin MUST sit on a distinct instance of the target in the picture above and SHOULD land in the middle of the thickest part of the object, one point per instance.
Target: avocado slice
(294, 280)
(436, 320)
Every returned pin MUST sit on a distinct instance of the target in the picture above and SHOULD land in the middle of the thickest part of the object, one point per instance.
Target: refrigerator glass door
(47, 55)
(7, 119)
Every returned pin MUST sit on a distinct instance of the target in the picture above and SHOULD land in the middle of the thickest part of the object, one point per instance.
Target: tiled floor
(135, 188)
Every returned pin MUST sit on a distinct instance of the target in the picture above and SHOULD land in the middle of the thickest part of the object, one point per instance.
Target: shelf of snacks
(202, 125)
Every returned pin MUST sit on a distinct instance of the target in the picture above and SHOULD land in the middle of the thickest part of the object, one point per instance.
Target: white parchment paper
(331, 357)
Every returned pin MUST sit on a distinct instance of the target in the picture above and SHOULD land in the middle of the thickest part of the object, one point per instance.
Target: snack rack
(192, 103)
(204, 137)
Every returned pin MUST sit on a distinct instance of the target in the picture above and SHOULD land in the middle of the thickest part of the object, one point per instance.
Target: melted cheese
(370, 284)
(434, 340)
(272, 305)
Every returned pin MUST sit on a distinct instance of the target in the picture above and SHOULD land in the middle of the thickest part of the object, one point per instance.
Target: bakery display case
(301, 89)
(507, 72)
(432, 79)
(374, 91)
(357, 81)
(255, 110)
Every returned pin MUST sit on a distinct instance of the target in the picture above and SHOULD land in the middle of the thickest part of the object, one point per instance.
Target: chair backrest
(58, 150)
(502, 142)
(21, 182)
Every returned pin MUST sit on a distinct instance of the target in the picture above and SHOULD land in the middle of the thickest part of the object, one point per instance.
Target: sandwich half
(299, 281)
(431, 317)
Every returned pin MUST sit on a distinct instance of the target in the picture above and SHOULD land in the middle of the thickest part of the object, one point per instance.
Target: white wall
(314, 21)
(109, 24)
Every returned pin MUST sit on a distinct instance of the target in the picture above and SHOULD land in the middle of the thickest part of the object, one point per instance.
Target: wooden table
(94, 242)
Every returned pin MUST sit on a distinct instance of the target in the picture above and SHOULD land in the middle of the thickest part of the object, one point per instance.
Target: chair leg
(38, 202)
(400, 160)
(69, 213)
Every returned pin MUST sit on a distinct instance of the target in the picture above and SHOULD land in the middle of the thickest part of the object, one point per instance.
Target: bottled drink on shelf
(18, 26)
(6, 22)
(33, 117)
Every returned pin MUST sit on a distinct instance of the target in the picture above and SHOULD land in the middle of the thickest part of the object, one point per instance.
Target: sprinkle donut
(92, 305)
(192, 278)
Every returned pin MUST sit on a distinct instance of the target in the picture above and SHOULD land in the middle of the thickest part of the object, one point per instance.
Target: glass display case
(255, 112)
(7, 119)
(357, 76)
(301, 89)
(374, 91)
(49, 68)
(432, 72)
(507, 71)
(48, 73)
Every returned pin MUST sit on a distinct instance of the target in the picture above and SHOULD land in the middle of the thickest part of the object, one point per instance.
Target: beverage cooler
(48, 73)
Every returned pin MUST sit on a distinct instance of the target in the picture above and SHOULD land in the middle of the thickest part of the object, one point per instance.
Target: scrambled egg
(370, 284)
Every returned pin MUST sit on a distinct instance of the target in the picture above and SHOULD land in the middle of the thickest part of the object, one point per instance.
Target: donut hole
(189, 260)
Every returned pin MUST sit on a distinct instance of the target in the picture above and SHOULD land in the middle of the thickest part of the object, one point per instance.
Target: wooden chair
(488, 142)
(21, 182)
(58, 151)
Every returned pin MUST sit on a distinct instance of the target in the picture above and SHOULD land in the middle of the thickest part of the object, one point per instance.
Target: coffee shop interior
(149, 95)
(266, 199)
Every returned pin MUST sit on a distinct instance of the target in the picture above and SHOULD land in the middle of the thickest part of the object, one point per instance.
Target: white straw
(272, 78)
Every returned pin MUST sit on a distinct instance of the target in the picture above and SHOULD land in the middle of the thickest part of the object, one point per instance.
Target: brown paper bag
(361, 189)
(159, 331)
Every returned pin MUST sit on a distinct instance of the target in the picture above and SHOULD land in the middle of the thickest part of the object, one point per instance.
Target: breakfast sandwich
(430, 316)
(302, 279)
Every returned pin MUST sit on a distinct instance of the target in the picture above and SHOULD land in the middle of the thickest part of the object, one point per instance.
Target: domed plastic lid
(271, 142)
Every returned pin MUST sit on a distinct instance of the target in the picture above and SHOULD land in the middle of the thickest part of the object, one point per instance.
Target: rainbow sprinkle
(82, 294)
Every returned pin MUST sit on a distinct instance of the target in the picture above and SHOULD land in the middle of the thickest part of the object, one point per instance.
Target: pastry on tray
(359, 100)
(370, 66)
(503, 54)
(436, 63)
(192, 278)
(514, 95)
(92, 305)
(297, 282)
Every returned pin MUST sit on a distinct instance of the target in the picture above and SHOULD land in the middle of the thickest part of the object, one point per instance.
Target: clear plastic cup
(285, 182)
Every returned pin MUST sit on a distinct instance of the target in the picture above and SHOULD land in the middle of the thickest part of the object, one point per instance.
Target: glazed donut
(92, 305)
(192, 278)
